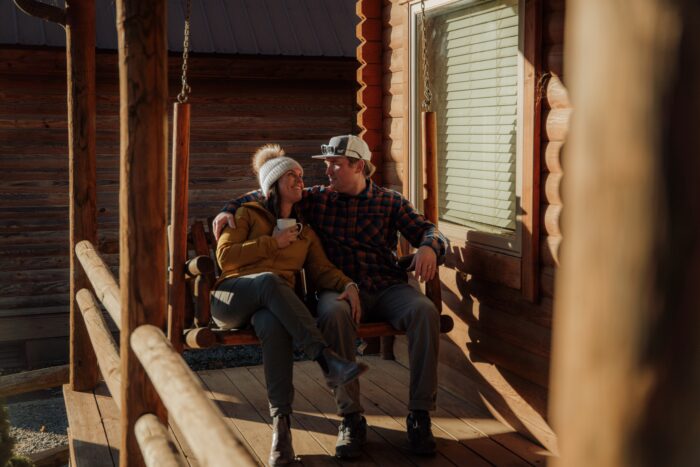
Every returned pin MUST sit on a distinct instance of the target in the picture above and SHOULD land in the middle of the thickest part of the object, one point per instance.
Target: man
(358, 222)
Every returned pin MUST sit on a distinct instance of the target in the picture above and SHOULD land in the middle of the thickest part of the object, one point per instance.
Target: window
(475, 64)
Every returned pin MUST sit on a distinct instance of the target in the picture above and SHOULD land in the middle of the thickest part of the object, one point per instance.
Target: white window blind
(473, 59)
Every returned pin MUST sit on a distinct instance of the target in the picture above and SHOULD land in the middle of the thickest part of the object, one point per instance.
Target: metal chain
(427, 95)
(186, 89)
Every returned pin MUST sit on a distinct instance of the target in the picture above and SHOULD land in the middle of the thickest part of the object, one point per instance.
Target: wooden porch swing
(191, 280)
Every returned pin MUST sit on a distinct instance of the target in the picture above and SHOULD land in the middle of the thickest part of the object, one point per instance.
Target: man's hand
(425, 263)
(352, 295)
(220, 221)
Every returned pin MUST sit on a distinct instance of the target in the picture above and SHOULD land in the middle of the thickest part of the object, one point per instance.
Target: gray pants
(406, 309)
(280, 320)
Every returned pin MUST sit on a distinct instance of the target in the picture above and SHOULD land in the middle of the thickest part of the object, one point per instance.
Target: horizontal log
(200, 421)
(550, 219)
(556, 124)
(102, 280)
(394, 15)
(198, 266)
(369, 29)
(157, 447)
(556, 94)
(551, 189)
(549, 251)
(370, 74)
(394, 38)
(554, 59)
(551, 6)
(393, 173)
(547, 281)
(552, 151)
(393, 63)
(27, 381)
(103, 343)
(368, 9)
(364, 330)
(370, 52)
(553, 28)
(200, 338)
(370, 96)
(393, 83)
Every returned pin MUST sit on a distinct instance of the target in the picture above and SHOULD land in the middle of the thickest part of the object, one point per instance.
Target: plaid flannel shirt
(359, 233)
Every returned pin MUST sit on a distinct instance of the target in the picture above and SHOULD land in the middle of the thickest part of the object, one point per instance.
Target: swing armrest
(199, 266)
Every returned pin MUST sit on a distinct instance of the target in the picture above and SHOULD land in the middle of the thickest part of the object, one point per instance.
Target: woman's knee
(268, 280)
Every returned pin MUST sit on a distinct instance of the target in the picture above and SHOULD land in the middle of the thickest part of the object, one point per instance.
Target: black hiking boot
(420, 436)
(352, 435)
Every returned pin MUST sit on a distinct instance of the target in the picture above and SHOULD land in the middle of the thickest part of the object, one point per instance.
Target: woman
(258, 264)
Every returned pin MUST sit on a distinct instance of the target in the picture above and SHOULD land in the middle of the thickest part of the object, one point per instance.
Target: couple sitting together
(354, 222)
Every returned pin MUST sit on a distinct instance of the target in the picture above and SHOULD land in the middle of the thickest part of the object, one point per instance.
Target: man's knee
(333, 312)
(426, 313)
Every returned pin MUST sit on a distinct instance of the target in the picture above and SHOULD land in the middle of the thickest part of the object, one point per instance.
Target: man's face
(342, 176)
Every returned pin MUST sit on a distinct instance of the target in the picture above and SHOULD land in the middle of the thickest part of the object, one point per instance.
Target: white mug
(283, 224)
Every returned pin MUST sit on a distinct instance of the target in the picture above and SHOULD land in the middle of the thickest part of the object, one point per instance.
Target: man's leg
(409, 310)
(340, 332)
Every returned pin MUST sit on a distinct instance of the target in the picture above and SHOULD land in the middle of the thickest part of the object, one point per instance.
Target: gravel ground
(39, 421)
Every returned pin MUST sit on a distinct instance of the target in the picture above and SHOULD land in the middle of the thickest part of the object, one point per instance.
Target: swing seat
(201, 273)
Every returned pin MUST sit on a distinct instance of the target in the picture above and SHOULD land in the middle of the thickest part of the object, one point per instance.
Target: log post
(80, 48)
(626, 347)
(178, 223)
(430, 188)
(143, 84)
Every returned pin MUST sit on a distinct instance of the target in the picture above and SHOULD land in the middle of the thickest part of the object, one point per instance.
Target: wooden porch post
(626, 369)
(141, 31)
(80, 48)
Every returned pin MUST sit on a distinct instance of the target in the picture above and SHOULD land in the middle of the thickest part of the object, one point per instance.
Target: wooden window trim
(522, 272)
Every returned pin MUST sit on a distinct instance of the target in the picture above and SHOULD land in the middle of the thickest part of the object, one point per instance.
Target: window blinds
(474, 68)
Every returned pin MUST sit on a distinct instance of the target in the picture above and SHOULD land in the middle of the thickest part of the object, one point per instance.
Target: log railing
(199, 420)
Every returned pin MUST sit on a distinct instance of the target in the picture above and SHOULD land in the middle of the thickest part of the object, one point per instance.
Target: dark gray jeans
(406, 309)
(280, 320)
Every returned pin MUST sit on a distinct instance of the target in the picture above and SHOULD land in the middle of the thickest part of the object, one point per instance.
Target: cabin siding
(501, 341)
(238, 104)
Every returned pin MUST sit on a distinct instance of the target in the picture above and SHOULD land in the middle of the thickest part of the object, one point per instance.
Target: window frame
(518, 267)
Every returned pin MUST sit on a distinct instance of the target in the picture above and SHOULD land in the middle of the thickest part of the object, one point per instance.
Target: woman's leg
(270, 291)
(278, 361)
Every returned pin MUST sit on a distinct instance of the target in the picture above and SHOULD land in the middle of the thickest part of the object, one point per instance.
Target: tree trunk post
(626, 348)
(143, 59)
(80, 55)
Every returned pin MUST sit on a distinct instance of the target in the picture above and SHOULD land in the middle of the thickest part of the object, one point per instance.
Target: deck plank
(109, 412)
(470, 422)
(88, 441)
(241, 416)
(386, 427)
(255, 392)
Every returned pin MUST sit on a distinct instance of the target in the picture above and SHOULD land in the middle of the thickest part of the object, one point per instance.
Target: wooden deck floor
(466, 433)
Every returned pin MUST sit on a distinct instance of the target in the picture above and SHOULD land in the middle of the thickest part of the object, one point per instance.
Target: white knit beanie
(270, 163)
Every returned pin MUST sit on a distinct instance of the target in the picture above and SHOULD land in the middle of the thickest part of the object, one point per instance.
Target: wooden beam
(43, 11)
(156, 445)
(82, 162)
(102, 341)
(626, 355)
(26, 381)
(143, 83)
(178, 223)
(103, 282)
(199, 420)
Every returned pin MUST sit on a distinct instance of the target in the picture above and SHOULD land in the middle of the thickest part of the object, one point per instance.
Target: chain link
(427, 95)
(186, 89)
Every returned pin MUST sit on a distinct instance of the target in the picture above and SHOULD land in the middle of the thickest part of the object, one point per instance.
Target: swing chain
(428, 95)
(186, 89)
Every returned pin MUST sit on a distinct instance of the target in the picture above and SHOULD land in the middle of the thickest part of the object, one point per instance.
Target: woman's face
(291, 185)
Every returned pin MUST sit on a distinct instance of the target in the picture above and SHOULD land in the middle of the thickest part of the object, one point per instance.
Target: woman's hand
(220, 221)
(352, 295)
(285, 237)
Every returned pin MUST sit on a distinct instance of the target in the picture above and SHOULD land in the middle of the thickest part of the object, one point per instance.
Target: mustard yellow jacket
(250, 248)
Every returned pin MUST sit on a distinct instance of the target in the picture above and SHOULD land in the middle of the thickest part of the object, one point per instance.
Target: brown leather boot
(282, 451)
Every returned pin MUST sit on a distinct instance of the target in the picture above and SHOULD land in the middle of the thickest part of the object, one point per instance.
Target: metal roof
(256, 27)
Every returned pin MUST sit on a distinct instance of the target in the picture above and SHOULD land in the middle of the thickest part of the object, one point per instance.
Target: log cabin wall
(238, 104)
(500, 346)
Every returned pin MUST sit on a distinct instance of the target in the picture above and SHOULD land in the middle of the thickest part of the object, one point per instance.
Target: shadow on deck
(466, 434)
